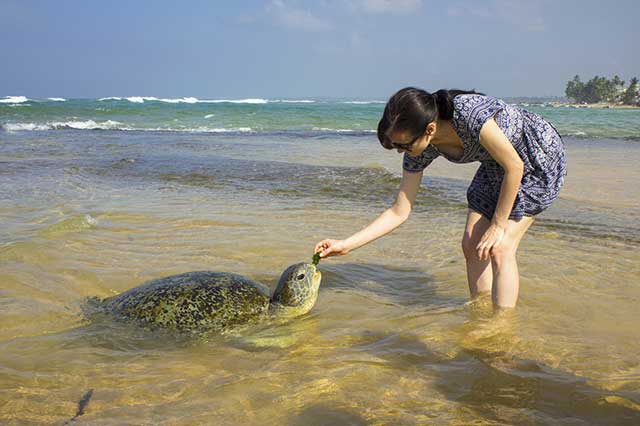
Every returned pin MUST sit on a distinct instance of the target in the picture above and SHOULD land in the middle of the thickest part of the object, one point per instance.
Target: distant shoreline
(598, 105)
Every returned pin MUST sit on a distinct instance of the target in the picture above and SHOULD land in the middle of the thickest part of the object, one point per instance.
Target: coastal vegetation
(603, 90)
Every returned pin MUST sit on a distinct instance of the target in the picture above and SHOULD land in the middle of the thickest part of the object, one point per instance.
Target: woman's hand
(492, 238)
(328, 248)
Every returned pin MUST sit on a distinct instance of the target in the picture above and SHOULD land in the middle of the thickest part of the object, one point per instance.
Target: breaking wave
(78, 125)
(115, 125)
(112, 125)
(14, 100)
(142, 99)
(186, 100)
(191, 100)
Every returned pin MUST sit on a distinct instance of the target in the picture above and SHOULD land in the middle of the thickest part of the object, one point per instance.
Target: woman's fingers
(481, 250)
(324, 247)
(489, 241)
(483, 253)
(485, 245)
(325, 250)
(330, 247)
(481, 246)
(487, 249)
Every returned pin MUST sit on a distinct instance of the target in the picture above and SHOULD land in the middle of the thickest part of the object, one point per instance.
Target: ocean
(100, 195)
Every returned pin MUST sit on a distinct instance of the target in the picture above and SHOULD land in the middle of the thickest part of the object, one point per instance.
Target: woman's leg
(506, 280)
(479, 274)
(499, 275)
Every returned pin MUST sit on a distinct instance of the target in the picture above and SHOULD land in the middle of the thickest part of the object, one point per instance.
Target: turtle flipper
(269, 337)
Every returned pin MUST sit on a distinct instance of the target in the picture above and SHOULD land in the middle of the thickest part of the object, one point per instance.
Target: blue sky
(310, 49)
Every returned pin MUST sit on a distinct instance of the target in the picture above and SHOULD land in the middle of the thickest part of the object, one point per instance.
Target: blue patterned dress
(537, 142)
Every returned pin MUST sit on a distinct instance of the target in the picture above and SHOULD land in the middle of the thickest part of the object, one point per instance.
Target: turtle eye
(300, 277)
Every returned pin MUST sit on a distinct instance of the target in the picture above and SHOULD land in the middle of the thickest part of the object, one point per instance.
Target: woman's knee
(505, 251)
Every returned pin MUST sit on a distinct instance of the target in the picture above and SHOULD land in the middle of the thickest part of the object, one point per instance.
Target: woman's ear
(431, 129)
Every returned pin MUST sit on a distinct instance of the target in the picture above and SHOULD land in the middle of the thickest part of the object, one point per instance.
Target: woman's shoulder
(474, 99)
(467, 105)
(471, 111)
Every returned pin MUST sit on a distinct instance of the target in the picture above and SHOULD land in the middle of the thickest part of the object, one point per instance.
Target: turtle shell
(193, 301)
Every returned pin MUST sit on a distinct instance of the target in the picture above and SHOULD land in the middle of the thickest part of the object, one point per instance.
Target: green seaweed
(316, 258)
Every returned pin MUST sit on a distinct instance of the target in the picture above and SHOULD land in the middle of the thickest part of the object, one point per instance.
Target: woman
(522, 169)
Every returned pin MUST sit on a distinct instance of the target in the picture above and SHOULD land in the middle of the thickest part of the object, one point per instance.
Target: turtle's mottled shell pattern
(194, 301)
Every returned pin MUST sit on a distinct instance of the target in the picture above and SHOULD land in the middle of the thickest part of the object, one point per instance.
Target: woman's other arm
(496, 143)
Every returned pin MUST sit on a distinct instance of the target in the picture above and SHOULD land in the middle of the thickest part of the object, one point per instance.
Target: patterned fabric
(535, 140)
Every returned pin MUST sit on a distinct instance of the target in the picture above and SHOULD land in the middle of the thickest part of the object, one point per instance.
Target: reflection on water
(392, 338)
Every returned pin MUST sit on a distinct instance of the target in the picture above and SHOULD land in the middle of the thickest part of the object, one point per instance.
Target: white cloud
(296, 19)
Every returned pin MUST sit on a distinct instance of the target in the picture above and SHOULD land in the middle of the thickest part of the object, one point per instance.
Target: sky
(360, 49)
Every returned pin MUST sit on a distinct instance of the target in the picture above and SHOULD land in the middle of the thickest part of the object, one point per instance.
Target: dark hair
(411, 109)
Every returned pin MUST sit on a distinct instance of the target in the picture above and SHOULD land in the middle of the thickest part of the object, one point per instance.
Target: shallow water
(392, 339)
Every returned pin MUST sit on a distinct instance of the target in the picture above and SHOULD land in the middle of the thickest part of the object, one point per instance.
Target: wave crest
(115, 125)
(188, 100)
(112, 125)
(78, 125)
(14, 100)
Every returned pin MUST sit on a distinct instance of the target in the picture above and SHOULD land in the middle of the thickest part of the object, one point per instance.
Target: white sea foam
(138, 99)
(134, 99)
(238, 129)
(113, 125)
(13, 100)
(80, 125)
(193, 129)
(192, 100)
(17, 127)
(180, 100)
(143, 99)
(209, 115)
(211, 101)
(57, 99)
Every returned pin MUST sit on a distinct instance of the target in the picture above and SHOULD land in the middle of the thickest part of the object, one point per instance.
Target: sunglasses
(406, 146)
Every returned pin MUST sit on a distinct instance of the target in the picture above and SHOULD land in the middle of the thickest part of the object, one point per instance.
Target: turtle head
(297, 290)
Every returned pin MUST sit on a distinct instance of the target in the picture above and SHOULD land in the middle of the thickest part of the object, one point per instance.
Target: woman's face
(403, 142)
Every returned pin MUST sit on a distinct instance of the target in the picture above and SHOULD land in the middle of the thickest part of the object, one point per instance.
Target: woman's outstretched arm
(385, 223)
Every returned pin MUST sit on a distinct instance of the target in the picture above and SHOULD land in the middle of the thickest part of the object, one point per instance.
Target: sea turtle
(208, 301)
